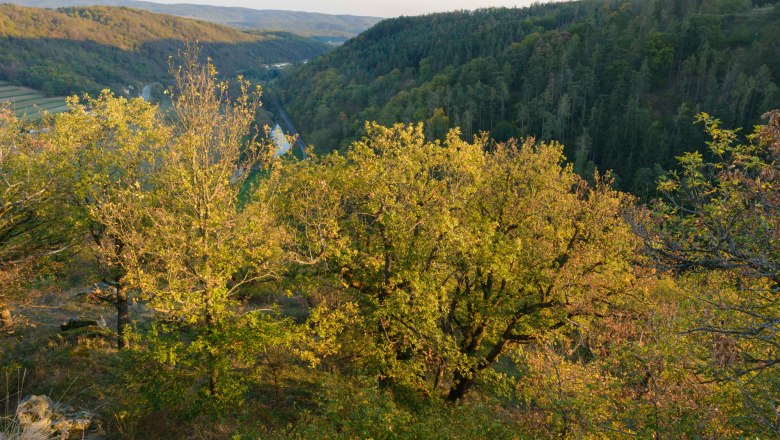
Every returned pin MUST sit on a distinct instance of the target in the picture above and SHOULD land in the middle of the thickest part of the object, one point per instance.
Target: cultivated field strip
(30, 103)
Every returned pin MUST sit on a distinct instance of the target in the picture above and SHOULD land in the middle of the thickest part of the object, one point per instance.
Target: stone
(74, 425)
(40, 418)
(34, 409)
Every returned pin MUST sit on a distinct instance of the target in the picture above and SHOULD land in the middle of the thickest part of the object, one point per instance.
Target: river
(281, 141)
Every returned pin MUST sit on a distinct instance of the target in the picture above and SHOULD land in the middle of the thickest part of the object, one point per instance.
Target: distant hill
(617, 81)
(322, 27)
(72, 50)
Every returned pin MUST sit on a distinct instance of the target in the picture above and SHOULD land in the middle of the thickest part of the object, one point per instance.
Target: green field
(29, 103)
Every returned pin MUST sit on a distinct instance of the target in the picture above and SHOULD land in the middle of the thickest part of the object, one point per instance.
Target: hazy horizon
(382, 8)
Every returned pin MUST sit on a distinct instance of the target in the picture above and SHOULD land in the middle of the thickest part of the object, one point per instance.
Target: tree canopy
(453, 251)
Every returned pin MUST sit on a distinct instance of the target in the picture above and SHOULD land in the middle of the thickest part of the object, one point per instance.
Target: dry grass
(81, 368)
(38, 359)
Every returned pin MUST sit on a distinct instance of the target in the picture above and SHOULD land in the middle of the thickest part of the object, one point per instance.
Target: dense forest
(324, 27)
(618, 82)
(76, 50)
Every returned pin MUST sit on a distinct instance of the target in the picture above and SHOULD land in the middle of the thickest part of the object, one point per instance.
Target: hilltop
(323, 27)
(76, 49)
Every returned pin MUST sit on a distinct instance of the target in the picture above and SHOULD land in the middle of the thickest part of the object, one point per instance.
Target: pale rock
(40, 418)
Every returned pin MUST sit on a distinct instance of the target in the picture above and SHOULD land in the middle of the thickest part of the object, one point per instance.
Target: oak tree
(190, 242)
(104, 146)
(454, 252)
(29, 206)
(720, 220)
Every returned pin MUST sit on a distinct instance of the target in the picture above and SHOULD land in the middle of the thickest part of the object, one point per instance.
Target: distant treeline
(617, 81)
(73, 50)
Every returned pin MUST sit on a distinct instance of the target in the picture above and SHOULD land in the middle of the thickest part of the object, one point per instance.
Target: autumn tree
(540, 251)
(190, 243)
(452, 253)
(28, 208)
(720, 219)
(104, 145)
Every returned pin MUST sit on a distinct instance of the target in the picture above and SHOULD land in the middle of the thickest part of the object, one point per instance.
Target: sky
(378, 8)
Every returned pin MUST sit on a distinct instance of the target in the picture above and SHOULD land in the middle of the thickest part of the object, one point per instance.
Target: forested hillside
(318, 26)
(73, 50)
(617, 81)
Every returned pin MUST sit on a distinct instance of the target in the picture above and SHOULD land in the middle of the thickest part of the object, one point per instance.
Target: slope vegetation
(84, 49)
(319, 26)
(617, 81)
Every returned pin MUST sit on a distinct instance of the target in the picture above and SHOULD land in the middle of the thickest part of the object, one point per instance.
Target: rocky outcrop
(40, 418)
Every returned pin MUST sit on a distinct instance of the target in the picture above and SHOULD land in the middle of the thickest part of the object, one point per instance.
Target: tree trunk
(439, 375)
(462, 385)
(211, 322)
(122, 316)
(6, 320)
(213, 381)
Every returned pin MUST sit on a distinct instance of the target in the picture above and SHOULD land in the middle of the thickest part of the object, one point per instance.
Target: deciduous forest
(593, 252)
